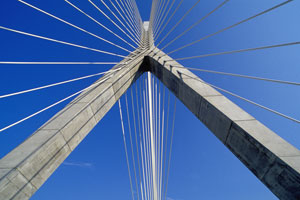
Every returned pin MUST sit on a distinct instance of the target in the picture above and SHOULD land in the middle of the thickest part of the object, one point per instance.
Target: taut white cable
(140, 127)
(166, 142)
(99, 23)
(136, 137)
(162, 144)
(164, 18)
(247, 100)
(130, 25)
(135, 16)
(242, 76)
(59, 63)
(146, 149)
(181, 19)
(239, 51)
(157, 9)
(152, 14)
(129, 14)
(161, 13)
(54, 84)
(112, 21)
(143, 146)
(195, 24)
(137, 13)
(147, 139)
(115, 7)
(175, 11)
(154, 115)
(134, 31)
(151, 157)
(74, 26)
(159, 141)
(61, 42)
(229, 27)
(125, 146)
(131, 17)
(157, 14)
(140, 131)
(143, 153)
(131, 145)
(40, 111)
(170, 153)
(152, 139)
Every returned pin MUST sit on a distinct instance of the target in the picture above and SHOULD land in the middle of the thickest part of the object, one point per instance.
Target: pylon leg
(28, 166)
(273, 160)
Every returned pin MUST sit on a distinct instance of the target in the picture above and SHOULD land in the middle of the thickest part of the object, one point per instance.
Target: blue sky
(202, 168)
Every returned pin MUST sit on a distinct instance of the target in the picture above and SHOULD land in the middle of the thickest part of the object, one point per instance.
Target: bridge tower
(274, 161)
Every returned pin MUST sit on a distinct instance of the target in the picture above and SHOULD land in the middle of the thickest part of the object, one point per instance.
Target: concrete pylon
(273, 160)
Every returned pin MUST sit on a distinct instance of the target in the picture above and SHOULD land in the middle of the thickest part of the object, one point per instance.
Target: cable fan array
(148, 128)
(126, 18)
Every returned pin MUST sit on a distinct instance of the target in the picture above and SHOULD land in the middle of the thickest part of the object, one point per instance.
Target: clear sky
(202, 167)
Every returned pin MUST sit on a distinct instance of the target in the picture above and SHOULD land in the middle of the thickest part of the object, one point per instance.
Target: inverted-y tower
(273, 160)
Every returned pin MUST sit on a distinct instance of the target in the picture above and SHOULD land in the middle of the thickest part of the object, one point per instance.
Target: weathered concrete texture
(28, 166)
(273, 160)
